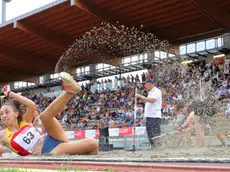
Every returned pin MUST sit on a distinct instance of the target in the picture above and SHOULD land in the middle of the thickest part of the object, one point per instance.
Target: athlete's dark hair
(180, 105)
(17, 107)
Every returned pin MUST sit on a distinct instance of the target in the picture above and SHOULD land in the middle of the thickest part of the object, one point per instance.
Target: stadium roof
(31, 44)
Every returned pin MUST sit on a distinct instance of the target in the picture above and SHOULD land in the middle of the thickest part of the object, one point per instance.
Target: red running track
(129, 167)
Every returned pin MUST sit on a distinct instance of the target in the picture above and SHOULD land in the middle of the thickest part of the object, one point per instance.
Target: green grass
(108, 170)
(13, 170)
(30, 170)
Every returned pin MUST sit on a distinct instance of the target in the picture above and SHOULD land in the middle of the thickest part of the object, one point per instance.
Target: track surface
(116, 166)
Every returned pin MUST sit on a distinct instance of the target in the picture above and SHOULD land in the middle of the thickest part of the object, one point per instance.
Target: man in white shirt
(152, 110)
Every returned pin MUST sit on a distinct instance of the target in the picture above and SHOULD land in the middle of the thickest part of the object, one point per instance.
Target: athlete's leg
(50, 123)
(86, 146)
(188, 132)
(222, 139)
(200, 140)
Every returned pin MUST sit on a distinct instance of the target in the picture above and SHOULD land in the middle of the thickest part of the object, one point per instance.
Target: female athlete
(22, 138)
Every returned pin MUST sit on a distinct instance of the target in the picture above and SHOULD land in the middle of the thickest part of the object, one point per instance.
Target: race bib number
(28, 139)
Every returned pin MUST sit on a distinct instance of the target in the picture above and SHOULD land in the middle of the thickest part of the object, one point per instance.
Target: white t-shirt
(228, 108)
(153, 110)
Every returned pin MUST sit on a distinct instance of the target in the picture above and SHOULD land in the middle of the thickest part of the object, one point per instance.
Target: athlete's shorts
(49, 144)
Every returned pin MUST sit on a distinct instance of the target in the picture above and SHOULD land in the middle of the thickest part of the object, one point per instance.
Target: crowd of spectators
(115, 109)
(105, 108)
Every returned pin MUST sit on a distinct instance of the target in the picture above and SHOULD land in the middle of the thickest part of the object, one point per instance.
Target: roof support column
(92, 68)
(46, 78)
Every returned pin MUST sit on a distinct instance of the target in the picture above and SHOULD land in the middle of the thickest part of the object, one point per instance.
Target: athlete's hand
(6, 90)
(35, 119)
(179, 129)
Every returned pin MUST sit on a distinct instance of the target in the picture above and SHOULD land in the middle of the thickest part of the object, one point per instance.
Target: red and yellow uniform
(25, 140)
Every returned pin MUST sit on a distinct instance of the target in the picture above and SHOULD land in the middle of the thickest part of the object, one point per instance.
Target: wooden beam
(7, 70)
(103, 14)
(7, 77)
(9, 73)
(213, 10)
(195, 37)
(62, 41)
(29, 60)
(99, 13)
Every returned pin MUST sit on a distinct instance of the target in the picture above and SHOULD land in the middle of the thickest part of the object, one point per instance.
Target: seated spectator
(131, 122)
(222, 93)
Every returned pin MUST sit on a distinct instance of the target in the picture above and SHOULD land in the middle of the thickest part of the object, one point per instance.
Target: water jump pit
(177, 160)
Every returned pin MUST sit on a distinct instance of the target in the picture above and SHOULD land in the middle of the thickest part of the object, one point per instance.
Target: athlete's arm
(189, 119)
(31, 107)
(2, 137)
(36, 118)
(1, 150)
